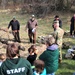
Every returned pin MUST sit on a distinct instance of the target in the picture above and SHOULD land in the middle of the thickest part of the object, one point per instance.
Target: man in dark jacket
(32, 25)
(57, 19)
(15, 26)
(72, 26)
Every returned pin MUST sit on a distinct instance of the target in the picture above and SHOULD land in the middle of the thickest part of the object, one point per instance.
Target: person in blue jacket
(39, 68)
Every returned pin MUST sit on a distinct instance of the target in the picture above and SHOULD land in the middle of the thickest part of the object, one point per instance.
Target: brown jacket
(31, 24)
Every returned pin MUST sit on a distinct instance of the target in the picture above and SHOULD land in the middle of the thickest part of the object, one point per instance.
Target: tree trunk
(3, 4)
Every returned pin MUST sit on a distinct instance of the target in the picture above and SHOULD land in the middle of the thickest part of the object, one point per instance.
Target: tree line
(39, 7)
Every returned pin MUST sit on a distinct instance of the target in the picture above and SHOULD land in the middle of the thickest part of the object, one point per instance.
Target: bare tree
(39, 7)
(3, 4)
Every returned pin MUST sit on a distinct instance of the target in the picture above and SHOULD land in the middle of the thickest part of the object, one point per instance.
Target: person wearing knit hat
(32, 16)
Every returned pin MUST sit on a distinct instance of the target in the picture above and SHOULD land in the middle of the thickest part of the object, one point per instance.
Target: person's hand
(26, 29)
(6, 29)
(17, 30)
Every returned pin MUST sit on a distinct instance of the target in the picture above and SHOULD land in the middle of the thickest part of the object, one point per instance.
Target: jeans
(32, 36)
(16, 36)
(51, 74)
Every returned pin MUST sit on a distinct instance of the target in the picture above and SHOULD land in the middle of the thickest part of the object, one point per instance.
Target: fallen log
(6, 42)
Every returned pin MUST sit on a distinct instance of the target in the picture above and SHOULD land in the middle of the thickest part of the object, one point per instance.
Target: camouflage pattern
(58, 35)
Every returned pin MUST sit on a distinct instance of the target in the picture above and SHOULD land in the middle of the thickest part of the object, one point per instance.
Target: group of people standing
(47, 62)
(31, 27)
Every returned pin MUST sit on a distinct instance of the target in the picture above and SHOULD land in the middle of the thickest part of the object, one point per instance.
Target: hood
(20, 61)
(20, 68)
(53, 47)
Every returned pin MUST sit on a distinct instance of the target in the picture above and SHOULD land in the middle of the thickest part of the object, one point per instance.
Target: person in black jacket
(57, 19)
(72, 26)
(32, 54)
(15, 26)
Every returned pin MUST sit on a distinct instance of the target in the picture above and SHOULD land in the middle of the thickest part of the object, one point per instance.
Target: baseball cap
(14, 17)
(56, 21)
(32, 16)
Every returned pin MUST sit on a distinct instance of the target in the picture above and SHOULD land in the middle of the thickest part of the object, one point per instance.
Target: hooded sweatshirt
(22, 67)
(50, 58)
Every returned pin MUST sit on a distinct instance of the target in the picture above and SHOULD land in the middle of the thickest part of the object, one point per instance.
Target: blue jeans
(51, 73)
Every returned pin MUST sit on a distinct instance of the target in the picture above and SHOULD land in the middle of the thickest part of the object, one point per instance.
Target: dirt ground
(8, 36)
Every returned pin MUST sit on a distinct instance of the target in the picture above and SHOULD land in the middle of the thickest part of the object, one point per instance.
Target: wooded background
(39, 7)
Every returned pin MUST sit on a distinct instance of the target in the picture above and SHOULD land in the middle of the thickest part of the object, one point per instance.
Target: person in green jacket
(50, 56)
(14, 64)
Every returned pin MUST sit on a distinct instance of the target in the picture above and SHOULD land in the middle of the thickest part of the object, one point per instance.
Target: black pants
(72, 30)
(16, 36)
(32, 36)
